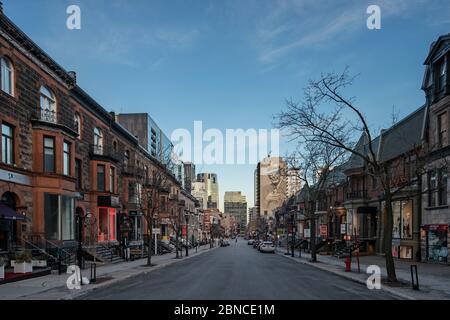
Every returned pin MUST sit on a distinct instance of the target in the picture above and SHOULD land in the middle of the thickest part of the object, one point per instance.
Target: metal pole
(80, 234)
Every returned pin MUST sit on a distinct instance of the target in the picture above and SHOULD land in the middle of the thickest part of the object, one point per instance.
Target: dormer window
(442, 75)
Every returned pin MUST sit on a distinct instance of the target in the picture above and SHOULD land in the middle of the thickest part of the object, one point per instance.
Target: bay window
(100, 177)
(59, 217)
(66, 159)
(49, 154)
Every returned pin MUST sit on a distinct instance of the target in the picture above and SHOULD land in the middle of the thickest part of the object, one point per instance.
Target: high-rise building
(189, 175)
(270, 185)
(153, 139)
(212, 189)
(199, 192)
(294, 182)
(236, 204)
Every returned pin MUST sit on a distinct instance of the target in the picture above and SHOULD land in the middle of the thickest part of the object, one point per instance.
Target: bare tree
(327, 116)
(151, 187)
(312, 164)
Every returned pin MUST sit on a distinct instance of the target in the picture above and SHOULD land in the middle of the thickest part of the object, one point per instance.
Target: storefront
(107, 218)
(59, 221)
(436, 242)
(136, 234)
(402, 231)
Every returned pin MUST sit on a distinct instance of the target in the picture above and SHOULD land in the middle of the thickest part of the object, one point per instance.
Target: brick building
(64, 156)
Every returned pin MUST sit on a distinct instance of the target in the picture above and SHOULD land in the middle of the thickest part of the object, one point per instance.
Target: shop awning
(367, 210)
(9, 214)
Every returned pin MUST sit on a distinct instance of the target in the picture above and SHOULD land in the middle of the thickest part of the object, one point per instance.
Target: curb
(317, 265)
(111, 282)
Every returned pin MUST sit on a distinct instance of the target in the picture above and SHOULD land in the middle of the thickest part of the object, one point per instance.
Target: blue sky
(232, 63)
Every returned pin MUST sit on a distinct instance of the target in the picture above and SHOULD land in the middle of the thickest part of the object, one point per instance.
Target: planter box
(2, 272)
(39, 263)
(24, 267)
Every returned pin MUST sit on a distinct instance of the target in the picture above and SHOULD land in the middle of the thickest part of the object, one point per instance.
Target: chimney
(73, 75)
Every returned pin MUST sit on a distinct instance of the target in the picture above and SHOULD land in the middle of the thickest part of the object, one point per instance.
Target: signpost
(155, 232)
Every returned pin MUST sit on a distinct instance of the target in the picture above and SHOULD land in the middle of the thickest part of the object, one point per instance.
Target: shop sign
(436, 227)
(183, 231)
(323, 230)
(14, 177)
(108, 201)
(307, 233)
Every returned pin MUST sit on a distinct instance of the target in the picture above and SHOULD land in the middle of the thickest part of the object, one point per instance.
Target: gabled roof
(403, 137)
(399, 139)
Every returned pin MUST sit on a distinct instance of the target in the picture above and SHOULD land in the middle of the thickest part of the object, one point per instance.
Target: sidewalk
(53, 287)
(434, 280)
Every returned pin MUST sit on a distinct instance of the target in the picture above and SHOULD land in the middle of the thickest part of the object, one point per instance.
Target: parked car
(250, 242)
(224, 243)
(267, 246)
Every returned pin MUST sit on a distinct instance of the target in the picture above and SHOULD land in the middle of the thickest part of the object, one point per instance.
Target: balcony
(102, 153)
(134, 171)
(47, 115)
(354, 195)
(49, 118)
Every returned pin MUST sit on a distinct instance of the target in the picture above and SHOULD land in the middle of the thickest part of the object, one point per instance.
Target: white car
(250, 242)
(267, 246)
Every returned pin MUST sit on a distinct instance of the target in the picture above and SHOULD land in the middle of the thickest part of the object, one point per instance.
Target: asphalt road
(237, 272)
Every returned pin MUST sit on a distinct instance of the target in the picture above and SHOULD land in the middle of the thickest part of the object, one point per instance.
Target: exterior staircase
(106, 254)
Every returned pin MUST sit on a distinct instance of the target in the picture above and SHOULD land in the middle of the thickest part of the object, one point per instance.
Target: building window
(7, 144)
(100, 177)
(77, 123)
(7, 76)
(78, 170)
(442, 196)
(437, 188)
(126, 159)
(48, 105)
(66, 159)
(59, 217)
(49, 154)
(112, 179)
(442, 75)
(442, 129)
(432, 184)
(98, 141)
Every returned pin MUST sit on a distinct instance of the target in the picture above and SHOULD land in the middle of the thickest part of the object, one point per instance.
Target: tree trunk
(313, 235)
(388, 226)
(176, 244)
(149, 231)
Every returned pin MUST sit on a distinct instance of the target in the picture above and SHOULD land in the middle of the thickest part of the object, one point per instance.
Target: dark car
(256, 243)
